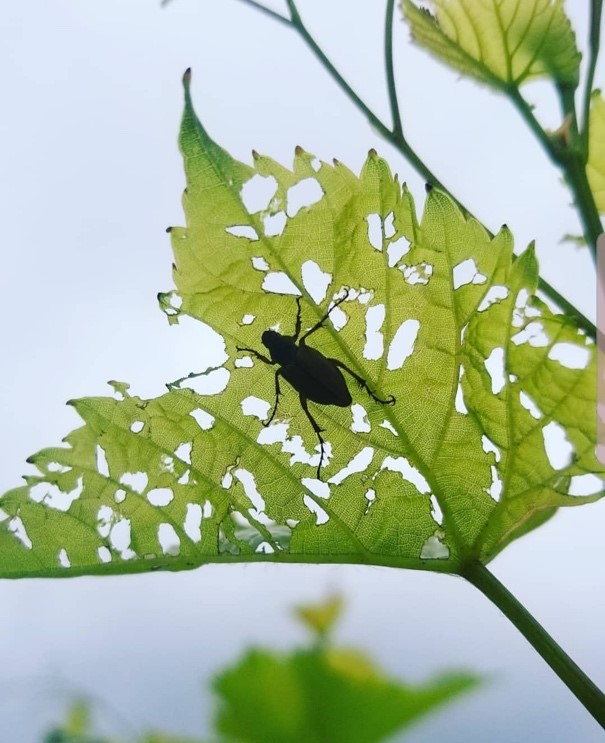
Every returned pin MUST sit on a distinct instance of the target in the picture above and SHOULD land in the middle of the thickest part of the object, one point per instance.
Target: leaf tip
(255, 155)
(187, 77)
(169, 229)
(428, 187)
(298, 151)
(372, 153)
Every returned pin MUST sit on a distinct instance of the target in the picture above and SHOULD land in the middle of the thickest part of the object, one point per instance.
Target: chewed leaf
(491, 430)
(499, 42)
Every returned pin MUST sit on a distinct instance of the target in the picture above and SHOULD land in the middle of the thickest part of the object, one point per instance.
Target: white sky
(91, 178)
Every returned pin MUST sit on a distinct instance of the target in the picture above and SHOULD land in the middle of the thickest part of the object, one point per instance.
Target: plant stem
(396, 137)
(594, 41)
(572, 676)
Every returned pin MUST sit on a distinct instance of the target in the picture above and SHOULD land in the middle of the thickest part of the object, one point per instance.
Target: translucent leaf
(595, 168)
(313, 696)
(494, 420)
(499, 42)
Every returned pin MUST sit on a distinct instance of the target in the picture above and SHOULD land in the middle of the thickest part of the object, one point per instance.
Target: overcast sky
(91, 177)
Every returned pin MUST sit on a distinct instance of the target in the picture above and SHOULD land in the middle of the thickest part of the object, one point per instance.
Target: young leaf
(499, 42)
(493, 427)
(595, 167)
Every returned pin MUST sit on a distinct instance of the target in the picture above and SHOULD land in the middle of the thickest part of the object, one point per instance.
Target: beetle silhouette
(314, 376)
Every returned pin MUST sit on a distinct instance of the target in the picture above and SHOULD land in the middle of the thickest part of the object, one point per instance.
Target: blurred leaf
(499, 42)
(595, 168)
(321, 617)
(315, 697)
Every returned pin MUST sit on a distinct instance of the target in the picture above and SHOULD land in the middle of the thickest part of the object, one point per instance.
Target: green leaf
(312, 696)
(595, 167)
(438, 314)
(501, 43)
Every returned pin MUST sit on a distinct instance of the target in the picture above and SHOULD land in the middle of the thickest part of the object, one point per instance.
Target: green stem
(572, 676)
(390, 70)
(594, 42)
(396, 136)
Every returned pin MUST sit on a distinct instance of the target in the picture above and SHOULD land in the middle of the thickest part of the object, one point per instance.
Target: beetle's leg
(256, 354)
(317, 429)
(363, 384)
(277, 396)
(319, 324)
(298, 325)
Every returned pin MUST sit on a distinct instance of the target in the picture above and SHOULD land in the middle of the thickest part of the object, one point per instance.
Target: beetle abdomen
(316, 378)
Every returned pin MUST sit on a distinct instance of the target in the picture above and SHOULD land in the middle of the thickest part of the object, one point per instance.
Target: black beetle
(314, 376)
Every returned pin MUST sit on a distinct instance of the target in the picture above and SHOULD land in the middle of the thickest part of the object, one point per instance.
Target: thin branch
(390, 71)
(267, 11)
(398, 140)
(594, 42)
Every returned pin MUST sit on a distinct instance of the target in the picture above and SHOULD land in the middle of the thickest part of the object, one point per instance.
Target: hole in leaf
(434, 548)
(211, 382)
(102, 466)
(418, 274)
(371, 498)
(247, 319)
(137, 426)
(104, 520)
(360, 423)
(279, 282)
(375, 231)
(104, 554)
(249, 484)
(64, 560)
(256, 193)
(166, 463)
(119, 538)
(193, 522)
(530, 405)
(204, 420)
(570, 355)
(136, 481)
(274, 224)
(402, 345)
(409, 473)
(315, 281)
(17, 529)
(321, 517)
(259, 263)
(467, 272)
(396, 250)
(495, 489)
(160, 496)
(242, 230)
(389, 426)
(495, 293)
(360, 462)
(559, 449)
(489, 446)
(53, 497)
(533, 334)
(494, 364)
(183, 452)
(436, 511)
(389, 225)
(374, 345)
(304, 194)
(459, 403)
(255, 406)
(169, 540)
